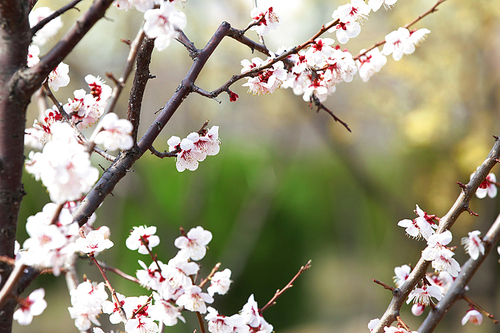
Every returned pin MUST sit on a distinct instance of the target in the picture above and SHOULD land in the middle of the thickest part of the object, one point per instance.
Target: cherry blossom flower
(86, 301)
(33, 305)
(94, 242)
(267, 80)
(376, 4)
(49, 30)
(320, 50)
(423, 295)
(472, 316)
(370, 63)
(487, 187)
(253, 318)
(417, 309)
(221, 324)
(400, 42)
(422, 226)
(188, 157)
(195, 244)
(440, 255)
(194, 299)
(402, 273)
(150, 277)
(114, 309)
(165, 311)
(473, 244)
(373, 323)
(33, 53)
(59, 77)
(178, 270)
(142, 234)
(137, 310)
(220, 282)
(162, 24)
(268, 20)
(115, 133)
(346, 30)
(63, 165)
(356, 11)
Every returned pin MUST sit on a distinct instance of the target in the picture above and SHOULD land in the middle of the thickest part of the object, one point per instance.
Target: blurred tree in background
(290, 184)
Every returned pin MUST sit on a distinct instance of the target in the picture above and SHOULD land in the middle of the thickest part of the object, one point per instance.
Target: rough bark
(14, 40)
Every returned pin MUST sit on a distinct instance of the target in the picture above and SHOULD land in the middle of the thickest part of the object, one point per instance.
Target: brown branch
(126, 159)
(33, 77)
(457, 289)
(427, 12)
(321, 106)
(480, 308)
(384, 285)
(289, 285)
(214, 270)
(446, 222)
(159, 154)
(52, 16)
(119, 272)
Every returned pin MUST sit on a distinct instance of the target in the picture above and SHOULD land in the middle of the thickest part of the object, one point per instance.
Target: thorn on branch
(463, 186)
(126, 41)
(402, 323)
(496, 137)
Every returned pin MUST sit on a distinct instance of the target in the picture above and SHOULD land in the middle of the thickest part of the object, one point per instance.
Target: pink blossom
(49, 30)
(195, 244)
(94, 242)
(417, 309)
(402, 273)
(194, 299)
(423, 295)
(33, 305)
(370, 63)
(162, 24)
(220, 282)
(376, 4)
(165, 311)
(473, 244)
(473, 316)
(115, 133)
(487, 187)
(59, 77)
(142, 234)
(268, 20)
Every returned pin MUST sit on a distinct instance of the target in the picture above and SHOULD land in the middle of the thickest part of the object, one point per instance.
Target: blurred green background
(290, 184)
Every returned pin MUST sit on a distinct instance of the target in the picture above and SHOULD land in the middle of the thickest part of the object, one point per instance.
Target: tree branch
(34, 76)
(126, 159)
(460, 205)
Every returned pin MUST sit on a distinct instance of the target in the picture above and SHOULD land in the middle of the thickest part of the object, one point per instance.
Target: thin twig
(446, 222)
(289, 285)
(119, 272)
(427, 12)
(480, 308)
(52, 16)
(214, 270)
(321, 106)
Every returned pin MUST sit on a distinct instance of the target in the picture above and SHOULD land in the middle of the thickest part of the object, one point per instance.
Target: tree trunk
(14, 40)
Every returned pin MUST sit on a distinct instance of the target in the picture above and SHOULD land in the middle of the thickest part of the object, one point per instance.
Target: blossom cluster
(315, 70)
(194, 148)
(173, 290)
(162, 21)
